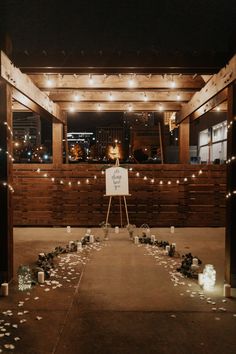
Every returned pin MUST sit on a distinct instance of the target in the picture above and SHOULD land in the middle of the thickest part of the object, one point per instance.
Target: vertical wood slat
(6, 208)
(230, 246)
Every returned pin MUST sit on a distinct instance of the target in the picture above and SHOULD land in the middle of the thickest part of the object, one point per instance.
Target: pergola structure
(52, 92)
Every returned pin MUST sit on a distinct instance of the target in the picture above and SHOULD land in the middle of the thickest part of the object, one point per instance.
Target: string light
(169, 182)
(145, 178)
(99, 107)
(178, 97)
(160, 108)
(185, 179)
(110, 97)
(87, 181)
(161, 182)
(145, 98)
(137, 174)
(78, 182)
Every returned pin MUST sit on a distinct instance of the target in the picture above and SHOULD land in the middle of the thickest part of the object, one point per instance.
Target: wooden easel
(120, 199)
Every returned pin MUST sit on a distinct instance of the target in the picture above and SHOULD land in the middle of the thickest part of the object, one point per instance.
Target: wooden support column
(57, 143)
(6, 208)
(230, 245)
(184, 141)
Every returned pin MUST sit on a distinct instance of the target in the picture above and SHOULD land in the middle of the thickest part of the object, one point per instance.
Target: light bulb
(71, 109)
(90, 80)
(76, 97)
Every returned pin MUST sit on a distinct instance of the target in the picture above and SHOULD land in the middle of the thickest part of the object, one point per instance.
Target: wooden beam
(217, 83)
(69, 95)
(6, 208)
(27, 104)
(113, 82)
(119, 107)
(211, 104)
(230, 244)
(184, 142)
(25, 86)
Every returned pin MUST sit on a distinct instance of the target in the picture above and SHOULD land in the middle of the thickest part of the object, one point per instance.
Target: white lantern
(209, 277)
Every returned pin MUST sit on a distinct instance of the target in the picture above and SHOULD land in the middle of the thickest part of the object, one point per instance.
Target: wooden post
(230, 243)
(184, 141)
(57, 143)
(6, 208)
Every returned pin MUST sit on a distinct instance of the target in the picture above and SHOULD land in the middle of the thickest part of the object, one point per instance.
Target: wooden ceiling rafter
(28, 93)
(213, 88)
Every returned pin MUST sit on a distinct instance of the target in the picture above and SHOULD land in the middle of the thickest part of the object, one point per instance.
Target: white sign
(117, 181)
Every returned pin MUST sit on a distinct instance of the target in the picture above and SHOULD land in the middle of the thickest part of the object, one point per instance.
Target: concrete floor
(117, 297)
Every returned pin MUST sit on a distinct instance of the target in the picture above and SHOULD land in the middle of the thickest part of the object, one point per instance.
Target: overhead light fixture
(49, 82)
(131, 81)
(76, 97)
(90, 80)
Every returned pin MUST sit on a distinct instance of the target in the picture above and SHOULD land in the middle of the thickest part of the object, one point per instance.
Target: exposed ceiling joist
(118, 82)
(33, 96)
(217, 83)
(119, 96)
(211, 104)
(119, 106)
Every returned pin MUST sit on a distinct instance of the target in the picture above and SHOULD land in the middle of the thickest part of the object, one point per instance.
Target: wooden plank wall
(198, 202)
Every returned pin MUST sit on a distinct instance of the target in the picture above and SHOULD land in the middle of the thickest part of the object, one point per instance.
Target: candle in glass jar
(41, 277)
(136, 240)
(79, 246)
(4, 289)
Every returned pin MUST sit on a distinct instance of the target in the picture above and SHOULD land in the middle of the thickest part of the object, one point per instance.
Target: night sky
(127, 25)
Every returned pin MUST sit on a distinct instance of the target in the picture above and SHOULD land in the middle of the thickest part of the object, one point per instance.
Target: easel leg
(126, 210)
(121, 221)
(108, 210)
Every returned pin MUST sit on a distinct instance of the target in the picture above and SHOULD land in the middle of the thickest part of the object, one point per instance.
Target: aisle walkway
(127, 304)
